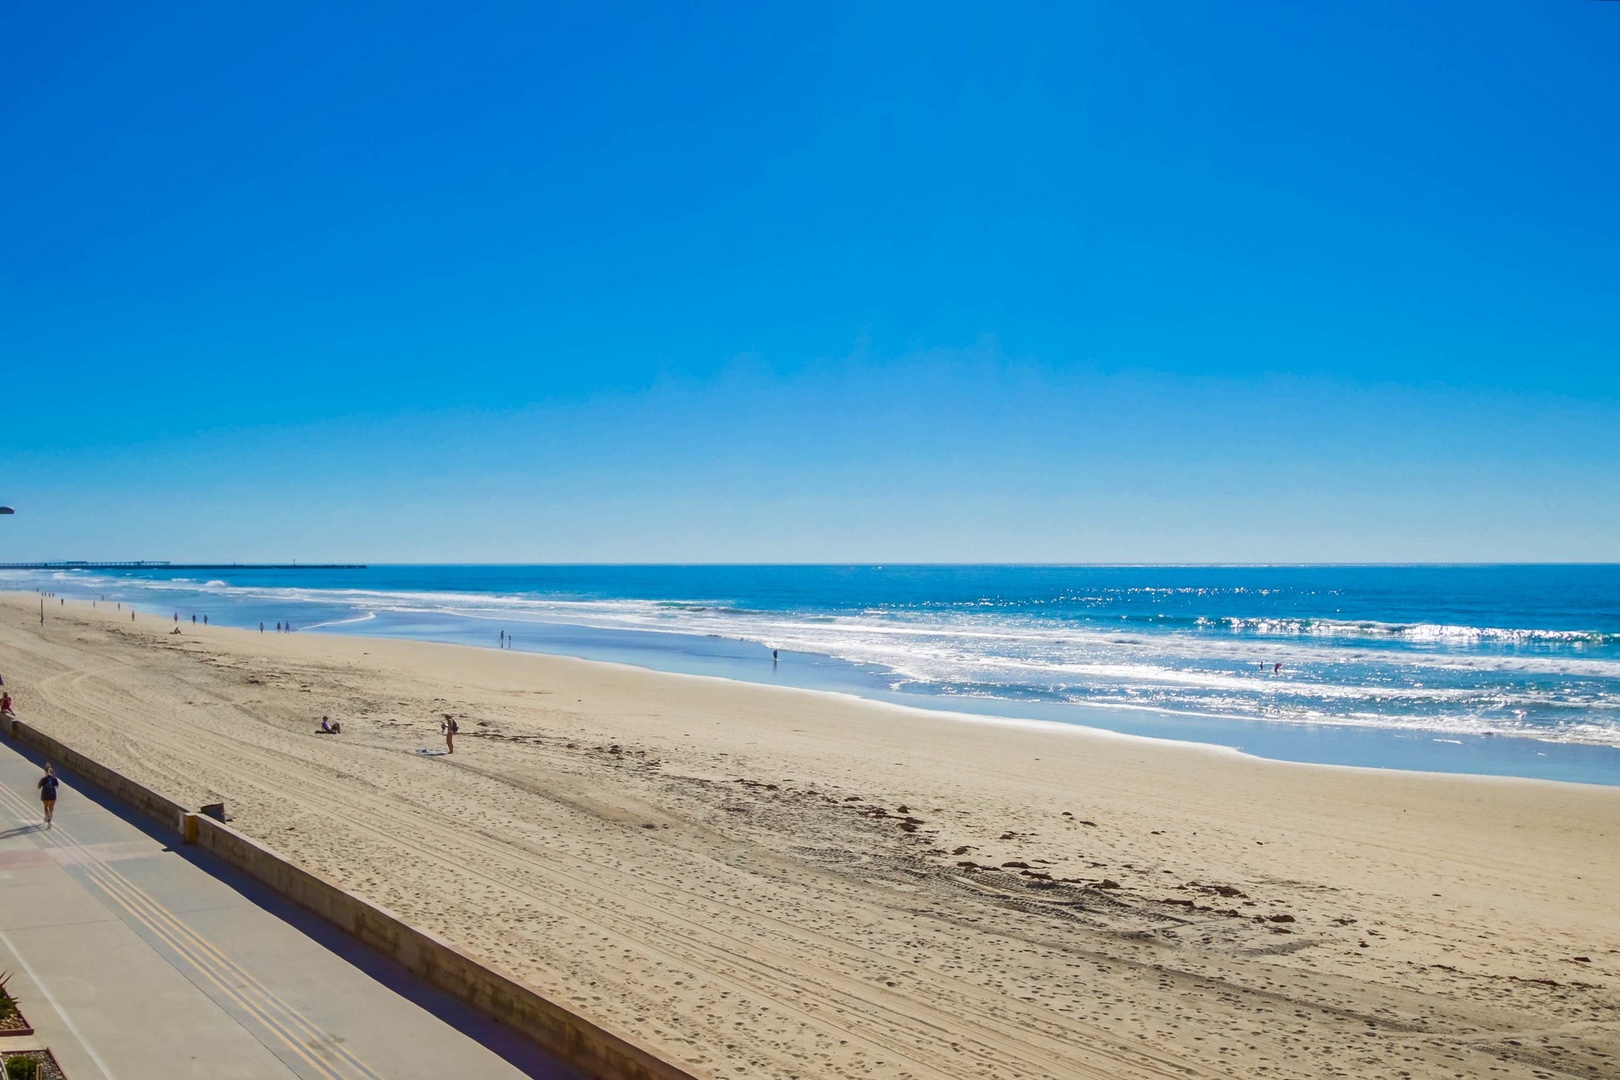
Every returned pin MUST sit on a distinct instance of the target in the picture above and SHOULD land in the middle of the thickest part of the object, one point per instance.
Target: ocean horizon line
(868, 564)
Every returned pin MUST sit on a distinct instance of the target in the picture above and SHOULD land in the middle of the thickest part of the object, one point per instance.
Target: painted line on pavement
(208, 960)
(57, 1005)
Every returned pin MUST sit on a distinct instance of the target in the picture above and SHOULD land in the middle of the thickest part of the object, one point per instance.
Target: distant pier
(80, 565)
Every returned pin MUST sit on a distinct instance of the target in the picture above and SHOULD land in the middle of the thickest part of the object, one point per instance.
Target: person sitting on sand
(5, 706)
(329, 728)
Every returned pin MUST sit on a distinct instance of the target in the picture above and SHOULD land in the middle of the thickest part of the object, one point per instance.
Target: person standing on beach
(450, 729)
(47, 793)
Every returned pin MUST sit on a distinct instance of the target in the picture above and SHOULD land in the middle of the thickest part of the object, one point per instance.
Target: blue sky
(486, 282)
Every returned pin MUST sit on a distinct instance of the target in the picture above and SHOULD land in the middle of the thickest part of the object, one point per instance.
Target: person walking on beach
(450, 728)
(47, 793)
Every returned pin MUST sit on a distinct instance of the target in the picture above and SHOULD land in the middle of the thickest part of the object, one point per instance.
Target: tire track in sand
(885, 1028)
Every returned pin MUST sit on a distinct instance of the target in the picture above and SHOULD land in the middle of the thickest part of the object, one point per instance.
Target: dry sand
(759, 882)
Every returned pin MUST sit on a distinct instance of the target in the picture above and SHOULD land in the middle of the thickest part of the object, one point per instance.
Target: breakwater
(84, 565)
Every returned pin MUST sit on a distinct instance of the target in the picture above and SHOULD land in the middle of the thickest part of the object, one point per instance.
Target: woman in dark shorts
(47, 793)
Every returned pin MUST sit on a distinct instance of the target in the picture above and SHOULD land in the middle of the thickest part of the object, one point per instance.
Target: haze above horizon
(1054, 284)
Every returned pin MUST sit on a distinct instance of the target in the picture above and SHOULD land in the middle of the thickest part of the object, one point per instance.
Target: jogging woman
(47, 793)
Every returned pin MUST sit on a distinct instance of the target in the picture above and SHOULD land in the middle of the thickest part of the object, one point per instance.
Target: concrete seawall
(556, 1029)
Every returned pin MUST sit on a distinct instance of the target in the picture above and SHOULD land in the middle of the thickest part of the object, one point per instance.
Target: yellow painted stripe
(270, 1010)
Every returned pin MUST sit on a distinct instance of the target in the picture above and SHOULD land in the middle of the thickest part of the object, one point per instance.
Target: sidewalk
(137, 960)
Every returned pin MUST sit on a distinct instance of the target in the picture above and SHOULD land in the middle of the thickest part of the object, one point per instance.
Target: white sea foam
(369, 616)
(1433, 677)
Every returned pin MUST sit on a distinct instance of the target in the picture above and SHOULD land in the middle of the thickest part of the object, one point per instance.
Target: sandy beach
(762, 882)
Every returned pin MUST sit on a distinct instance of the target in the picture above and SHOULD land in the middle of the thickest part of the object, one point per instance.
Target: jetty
(149, 565)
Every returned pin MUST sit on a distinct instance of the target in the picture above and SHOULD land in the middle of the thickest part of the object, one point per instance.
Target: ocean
(1505, 670)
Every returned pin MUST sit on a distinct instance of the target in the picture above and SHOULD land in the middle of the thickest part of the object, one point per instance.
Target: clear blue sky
(1069, 282)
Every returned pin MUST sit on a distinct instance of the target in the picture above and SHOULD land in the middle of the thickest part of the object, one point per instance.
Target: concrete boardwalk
(137, 960)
